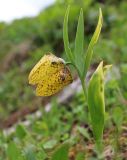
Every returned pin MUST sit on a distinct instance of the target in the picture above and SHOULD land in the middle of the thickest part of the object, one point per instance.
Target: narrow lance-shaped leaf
(96, 103)
(65, 36)
(93, 41)
(79, 41)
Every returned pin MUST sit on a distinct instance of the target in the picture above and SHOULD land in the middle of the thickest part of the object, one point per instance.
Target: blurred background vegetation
(23, 42)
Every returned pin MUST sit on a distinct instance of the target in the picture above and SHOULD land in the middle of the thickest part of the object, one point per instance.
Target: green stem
(81, 79)
(84, 88)
(70, 63)
(99, 149)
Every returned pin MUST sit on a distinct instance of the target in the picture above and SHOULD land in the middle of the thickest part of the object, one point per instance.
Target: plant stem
(68, 63)
(99, 149)
(84, 88)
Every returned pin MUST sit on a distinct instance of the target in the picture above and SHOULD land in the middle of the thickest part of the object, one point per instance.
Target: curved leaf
(93, 41)
(65, 36)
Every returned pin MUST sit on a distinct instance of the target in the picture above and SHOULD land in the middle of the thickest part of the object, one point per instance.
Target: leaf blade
(96, 103)
(61, 153)
(79, 40)
(65, 36)
(93, 41)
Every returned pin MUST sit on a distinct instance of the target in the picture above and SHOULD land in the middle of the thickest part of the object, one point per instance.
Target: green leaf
(79, 40)
(30, 152)
(117, 116)
(61, 153)
(96, 103)
(65, 36)
(106, 68)
(50, 144)
(13, 152)
(84, 132)
(93, 41)
(20, 131)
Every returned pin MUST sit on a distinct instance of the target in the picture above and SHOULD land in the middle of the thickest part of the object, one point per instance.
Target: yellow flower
(50, 75)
